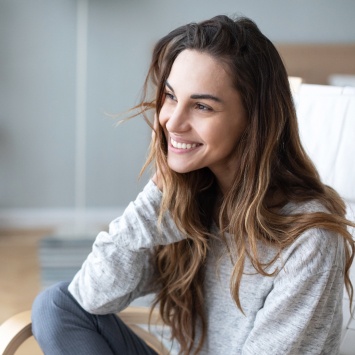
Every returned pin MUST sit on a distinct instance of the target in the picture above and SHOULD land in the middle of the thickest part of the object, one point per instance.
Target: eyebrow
(198, 96)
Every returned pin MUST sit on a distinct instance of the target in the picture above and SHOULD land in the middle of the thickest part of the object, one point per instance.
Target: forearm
(120, 267)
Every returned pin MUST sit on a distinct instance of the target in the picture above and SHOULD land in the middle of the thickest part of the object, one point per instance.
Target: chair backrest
(326, 116)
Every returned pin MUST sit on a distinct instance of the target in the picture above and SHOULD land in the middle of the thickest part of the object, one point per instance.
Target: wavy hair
(272, 162)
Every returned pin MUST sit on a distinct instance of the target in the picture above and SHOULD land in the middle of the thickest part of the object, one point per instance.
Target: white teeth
(179, 145)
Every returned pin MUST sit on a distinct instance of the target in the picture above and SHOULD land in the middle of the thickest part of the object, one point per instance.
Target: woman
(245, 249)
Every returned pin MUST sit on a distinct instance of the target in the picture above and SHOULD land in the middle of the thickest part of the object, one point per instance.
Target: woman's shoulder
(316, 249)
(311, 206)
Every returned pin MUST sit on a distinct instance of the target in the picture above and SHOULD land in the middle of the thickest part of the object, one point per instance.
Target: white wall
(38, 86)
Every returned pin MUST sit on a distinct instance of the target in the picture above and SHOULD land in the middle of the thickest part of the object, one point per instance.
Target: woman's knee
(48, 306)
(49, 299)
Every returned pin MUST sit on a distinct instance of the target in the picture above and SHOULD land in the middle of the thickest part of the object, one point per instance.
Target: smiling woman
(244, 248)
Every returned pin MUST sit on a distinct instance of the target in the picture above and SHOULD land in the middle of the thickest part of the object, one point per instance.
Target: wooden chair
(17, 329)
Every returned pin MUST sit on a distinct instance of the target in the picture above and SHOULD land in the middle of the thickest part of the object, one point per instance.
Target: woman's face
(202, 116)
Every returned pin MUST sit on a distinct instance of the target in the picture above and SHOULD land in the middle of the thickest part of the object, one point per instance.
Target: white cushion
(326, 116)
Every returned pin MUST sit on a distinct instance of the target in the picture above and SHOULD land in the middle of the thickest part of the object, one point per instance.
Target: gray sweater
(296, 311)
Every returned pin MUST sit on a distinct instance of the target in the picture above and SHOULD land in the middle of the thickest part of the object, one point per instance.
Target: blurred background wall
(64, 64)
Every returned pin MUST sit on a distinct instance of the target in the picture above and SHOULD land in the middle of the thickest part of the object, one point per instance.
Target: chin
(180, 169)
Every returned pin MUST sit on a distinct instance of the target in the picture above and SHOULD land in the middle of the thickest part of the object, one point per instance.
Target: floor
(19, 276)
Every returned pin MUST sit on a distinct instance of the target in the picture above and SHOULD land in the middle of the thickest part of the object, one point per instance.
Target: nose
(178, 120)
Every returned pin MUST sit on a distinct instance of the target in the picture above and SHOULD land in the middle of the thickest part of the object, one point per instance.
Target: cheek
(162, 123)
(163, 116)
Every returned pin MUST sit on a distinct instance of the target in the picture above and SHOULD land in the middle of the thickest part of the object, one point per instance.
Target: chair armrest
(14, 331)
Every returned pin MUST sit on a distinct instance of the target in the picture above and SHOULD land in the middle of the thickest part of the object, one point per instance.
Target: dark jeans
(61, 326)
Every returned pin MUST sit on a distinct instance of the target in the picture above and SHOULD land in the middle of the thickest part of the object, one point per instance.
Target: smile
(179, 145)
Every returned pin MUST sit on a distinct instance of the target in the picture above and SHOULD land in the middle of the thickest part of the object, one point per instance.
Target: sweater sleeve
(303, 312)
(119, 268)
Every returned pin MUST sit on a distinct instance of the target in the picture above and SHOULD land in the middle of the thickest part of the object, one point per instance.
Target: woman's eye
(170, 96)
(203, 107)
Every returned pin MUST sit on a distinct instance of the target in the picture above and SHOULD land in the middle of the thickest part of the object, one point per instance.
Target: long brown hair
(271, 161)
